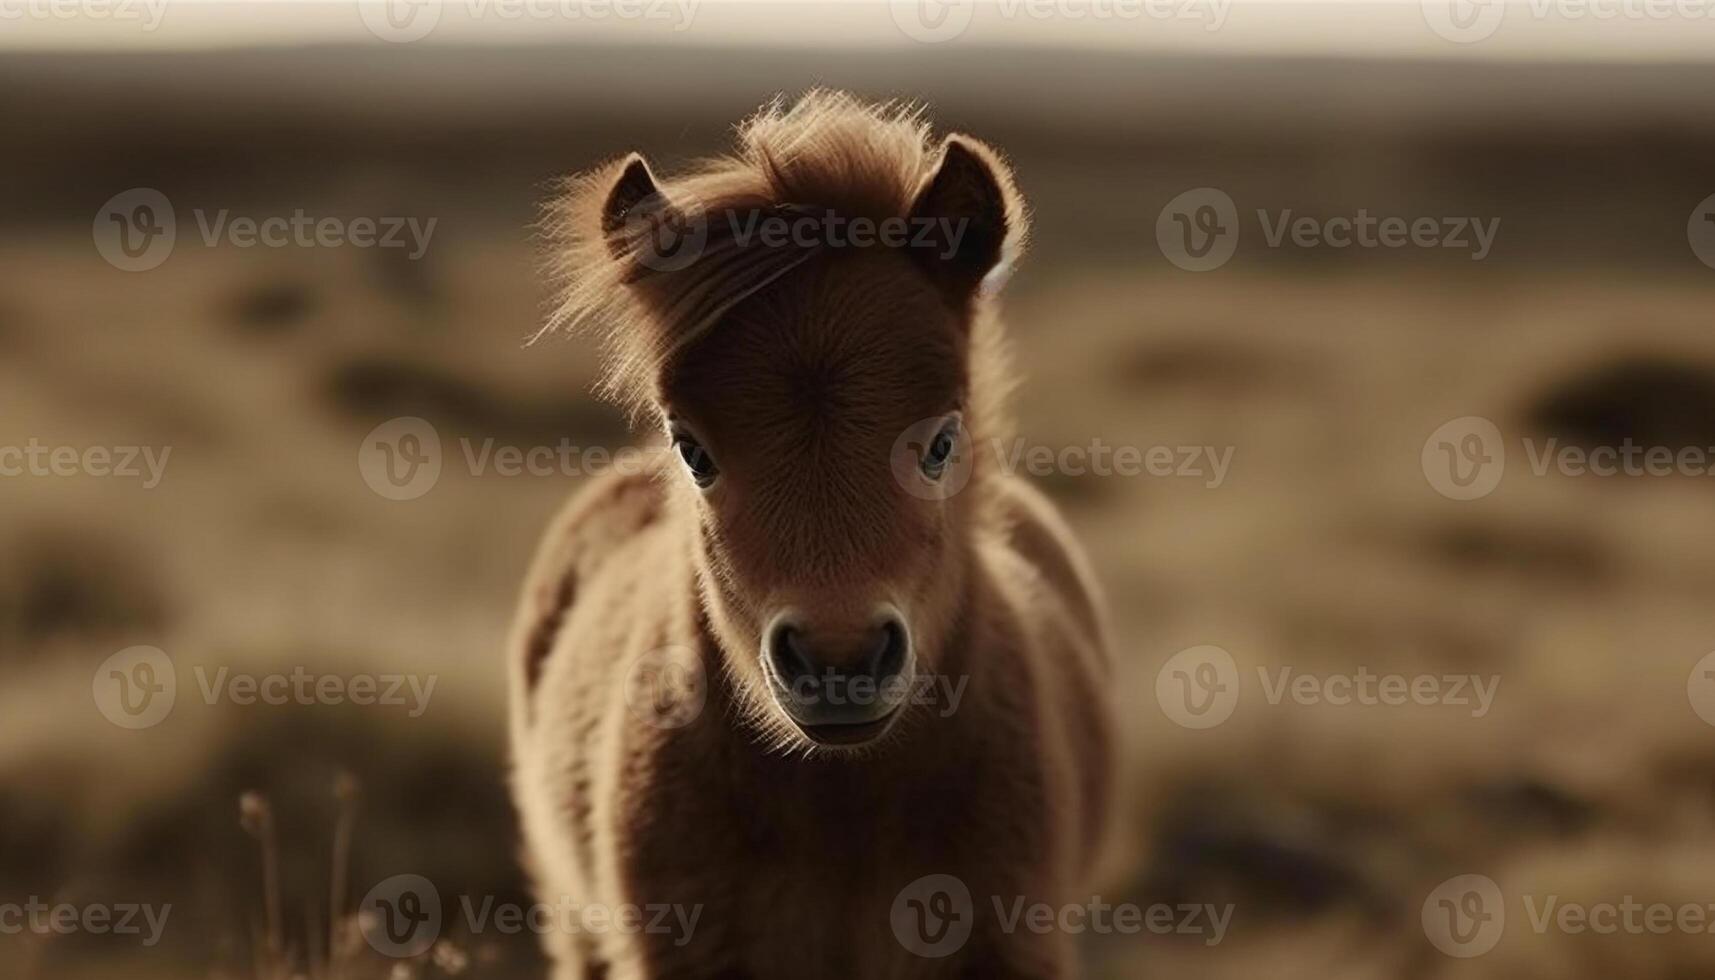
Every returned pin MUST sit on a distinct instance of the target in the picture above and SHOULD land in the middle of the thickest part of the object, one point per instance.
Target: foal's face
(818, 430)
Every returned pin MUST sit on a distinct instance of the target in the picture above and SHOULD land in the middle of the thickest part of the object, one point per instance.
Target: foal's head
(807, 322)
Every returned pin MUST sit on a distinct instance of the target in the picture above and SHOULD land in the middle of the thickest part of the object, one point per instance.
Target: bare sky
(1607, 30)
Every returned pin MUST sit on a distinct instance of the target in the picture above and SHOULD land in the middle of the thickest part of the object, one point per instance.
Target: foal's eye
(697, 460)
(939, 452)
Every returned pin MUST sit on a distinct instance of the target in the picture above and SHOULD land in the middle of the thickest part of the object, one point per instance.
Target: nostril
(887, 657)
(786, 648)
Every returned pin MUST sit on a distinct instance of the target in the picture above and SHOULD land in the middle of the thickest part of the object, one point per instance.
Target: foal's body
(790, 854)
(796, 863)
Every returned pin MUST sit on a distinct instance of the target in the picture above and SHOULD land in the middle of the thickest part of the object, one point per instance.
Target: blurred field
(1325, 549)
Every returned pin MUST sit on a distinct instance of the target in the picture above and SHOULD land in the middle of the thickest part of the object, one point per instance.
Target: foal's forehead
(865, 343)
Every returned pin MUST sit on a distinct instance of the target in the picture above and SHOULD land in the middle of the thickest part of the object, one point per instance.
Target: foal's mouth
(849, 735)
(832, 725)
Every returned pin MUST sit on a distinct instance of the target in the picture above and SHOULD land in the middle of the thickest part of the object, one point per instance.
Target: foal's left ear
(969, 218)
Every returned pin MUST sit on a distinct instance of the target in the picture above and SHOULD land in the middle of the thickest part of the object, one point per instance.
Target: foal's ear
(971, 217)
(633, 192)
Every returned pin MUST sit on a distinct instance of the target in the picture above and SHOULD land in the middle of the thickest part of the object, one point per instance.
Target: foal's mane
(827, 153)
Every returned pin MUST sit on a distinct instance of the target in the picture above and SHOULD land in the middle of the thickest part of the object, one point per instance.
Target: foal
(823, 690)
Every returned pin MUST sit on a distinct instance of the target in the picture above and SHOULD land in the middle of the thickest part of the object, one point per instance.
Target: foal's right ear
(633, 194)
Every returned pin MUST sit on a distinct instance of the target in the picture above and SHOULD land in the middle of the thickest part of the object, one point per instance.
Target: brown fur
(799, 368)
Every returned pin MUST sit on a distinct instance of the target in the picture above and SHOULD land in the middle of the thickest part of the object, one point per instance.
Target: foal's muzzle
(843, 690)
